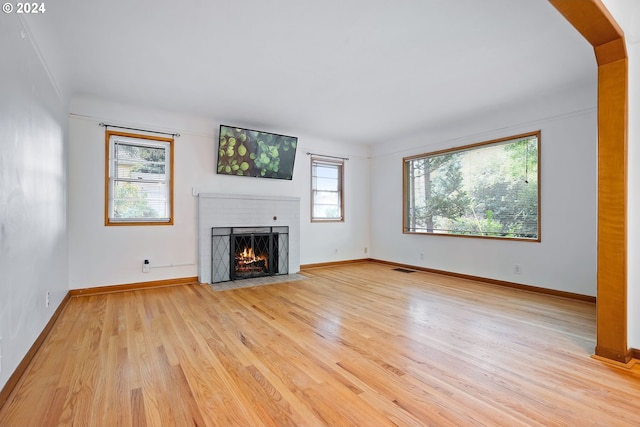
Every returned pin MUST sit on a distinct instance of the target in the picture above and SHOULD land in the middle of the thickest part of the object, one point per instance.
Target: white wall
(633, 255)
(33, 231)
(565, 259)
(627, 15)
(102, 256)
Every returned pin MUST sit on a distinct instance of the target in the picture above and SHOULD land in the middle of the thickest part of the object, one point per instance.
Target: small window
(139, 181)
(326, 190)
(490, 189)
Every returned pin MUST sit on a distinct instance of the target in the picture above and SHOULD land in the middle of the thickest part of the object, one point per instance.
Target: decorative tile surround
(236, 210)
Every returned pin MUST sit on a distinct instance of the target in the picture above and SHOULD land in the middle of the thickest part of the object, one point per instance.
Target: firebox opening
(254, 255)
(247, 261)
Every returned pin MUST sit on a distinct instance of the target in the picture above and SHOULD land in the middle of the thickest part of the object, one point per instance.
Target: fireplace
(248, 252)
(243, 210)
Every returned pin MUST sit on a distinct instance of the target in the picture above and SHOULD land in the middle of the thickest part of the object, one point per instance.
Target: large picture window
(139, 179)
(490, 189)
(326, 190)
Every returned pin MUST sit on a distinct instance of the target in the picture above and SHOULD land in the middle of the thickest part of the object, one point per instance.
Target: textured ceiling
(352, 71)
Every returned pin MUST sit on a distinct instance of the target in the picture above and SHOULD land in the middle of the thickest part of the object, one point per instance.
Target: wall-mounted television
(248, 152)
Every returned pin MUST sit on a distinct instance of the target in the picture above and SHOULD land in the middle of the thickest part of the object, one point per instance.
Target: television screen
(247, 152)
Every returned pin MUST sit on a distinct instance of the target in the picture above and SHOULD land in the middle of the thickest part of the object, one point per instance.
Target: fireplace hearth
(248, 252)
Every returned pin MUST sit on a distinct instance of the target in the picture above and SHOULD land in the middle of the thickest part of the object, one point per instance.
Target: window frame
(339, 164)
(109, 182)
(495, 142)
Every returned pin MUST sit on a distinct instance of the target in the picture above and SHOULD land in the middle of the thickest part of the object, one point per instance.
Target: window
(326, 190)
(490, 189)
(139, 179)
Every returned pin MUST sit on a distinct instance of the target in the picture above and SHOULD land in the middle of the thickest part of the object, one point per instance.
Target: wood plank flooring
(358, 344)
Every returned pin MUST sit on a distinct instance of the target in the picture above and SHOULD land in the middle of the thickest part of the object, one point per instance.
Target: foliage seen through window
(488, 189)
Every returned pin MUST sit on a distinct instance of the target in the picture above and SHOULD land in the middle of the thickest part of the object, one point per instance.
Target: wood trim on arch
(595, 23)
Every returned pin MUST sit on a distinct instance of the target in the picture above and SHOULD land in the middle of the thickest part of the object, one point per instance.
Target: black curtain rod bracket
(106, 125)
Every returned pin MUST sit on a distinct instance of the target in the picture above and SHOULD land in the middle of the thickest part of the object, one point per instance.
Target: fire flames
(248, 261)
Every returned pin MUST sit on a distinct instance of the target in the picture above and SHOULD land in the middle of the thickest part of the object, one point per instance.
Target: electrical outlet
(366, 250)
(0, 354)
(146, 266)
(517, 269)
(47, 300)
(421, 256)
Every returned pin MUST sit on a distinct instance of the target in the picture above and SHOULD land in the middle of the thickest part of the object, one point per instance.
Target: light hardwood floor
(359, 344)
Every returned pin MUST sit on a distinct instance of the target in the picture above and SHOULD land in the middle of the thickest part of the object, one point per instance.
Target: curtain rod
(106, 125)
(323, 155)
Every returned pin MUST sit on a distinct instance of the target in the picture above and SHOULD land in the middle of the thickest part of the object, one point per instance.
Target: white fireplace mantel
(239, 210)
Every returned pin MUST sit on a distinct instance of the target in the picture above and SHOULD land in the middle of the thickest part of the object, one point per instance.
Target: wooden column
(594, 22)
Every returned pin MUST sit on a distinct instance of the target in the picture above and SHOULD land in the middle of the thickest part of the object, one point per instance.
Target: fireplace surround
(251, 211)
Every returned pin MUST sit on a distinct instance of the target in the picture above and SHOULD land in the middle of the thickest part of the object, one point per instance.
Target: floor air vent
(403, 270)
